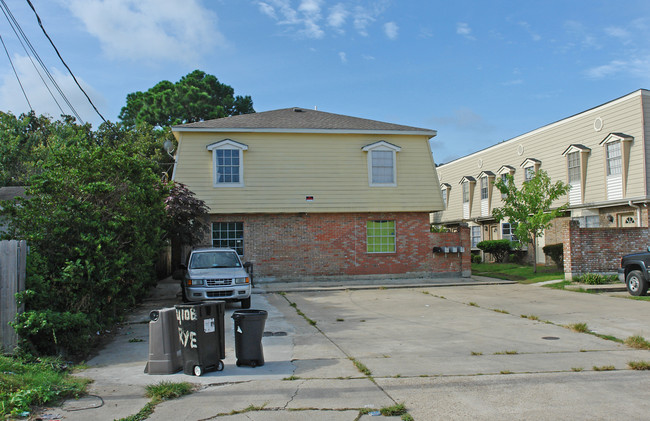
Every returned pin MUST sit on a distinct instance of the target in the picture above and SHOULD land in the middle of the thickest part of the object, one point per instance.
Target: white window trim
(533, 163)
(446, 188)
(386, 147)
(227, 144)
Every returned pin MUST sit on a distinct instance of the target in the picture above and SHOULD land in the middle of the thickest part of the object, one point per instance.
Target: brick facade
(330, 245)
(599, 250)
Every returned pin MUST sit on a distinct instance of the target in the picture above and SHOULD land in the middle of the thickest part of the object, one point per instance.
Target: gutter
(638, 212)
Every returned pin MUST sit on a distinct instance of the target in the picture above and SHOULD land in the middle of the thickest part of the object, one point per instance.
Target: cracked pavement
(453, 352)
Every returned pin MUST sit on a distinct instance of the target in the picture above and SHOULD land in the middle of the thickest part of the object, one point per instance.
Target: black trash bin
(249, 329)
(201, 334)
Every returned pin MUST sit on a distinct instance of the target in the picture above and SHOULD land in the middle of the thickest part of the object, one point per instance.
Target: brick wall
(300, 246)
(599, 250)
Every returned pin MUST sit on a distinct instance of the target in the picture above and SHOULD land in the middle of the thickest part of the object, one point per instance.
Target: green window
(380, 236)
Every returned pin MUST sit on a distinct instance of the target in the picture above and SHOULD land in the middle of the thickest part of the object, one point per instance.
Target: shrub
(476, 258)
(556, 253)
(499, 249)
(596, 279)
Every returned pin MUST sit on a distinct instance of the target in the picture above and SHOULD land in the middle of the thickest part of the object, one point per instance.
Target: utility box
(164, 344)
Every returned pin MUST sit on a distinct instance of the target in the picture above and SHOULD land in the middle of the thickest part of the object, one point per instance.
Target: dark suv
(634, 272)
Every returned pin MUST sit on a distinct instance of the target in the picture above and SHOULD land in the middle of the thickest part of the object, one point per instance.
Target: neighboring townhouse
(603, 153)
(303, 193)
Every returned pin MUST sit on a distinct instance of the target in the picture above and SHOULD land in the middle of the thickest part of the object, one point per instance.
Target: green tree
(94, 220)
(195, 97)
(530, 207)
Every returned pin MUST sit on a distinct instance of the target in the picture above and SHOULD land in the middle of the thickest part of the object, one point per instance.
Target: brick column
(466, 257)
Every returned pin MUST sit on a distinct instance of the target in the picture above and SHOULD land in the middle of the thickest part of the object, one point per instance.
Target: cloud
(343, 57)
(149, 29)
(463, 29)
(338, 14)
(535, 36)
(634, 67)
(578, 30)
(391, 29)
(13, 100)
(464, 119)
(306, 16)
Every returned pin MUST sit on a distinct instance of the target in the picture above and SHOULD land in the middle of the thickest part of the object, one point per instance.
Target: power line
(16, 73)
(62, 61)
(22, 36)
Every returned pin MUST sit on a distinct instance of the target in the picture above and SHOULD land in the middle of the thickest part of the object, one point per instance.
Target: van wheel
(246, 303)
(636, 284)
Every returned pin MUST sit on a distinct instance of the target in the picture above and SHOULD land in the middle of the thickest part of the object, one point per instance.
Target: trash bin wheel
(239, 364)
(253, 363)
(220, 366)
(198, 370)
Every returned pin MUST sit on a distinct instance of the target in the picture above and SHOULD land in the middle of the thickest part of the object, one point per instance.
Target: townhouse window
(380, 236)
(484, 188)
(228, 163)
(529, 173)
(508, 231)
(444, 199)
(504, 180)
(573, 164)
(382, 163)
(466, 192)
(476, 236)
(614, 161)
(228, 234)
(589, 221)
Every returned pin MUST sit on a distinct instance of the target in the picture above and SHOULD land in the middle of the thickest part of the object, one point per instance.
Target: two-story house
(305, 193)
(602, 153)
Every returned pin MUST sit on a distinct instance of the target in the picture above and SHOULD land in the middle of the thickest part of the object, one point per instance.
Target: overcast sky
(478, 72)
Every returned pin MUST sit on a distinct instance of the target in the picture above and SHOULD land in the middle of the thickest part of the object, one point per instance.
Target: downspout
(638, 212)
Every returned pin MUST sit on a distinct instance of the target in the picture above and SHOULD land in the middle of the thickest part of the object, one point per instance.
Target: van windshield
(214, 259)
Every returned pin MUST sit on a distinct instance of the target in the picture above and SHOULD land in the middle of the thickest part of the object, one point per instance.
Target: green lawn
(516, 272)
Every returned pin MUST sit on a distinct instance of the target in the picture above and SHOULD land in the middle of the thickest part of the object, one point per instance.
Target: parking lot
(455, 352)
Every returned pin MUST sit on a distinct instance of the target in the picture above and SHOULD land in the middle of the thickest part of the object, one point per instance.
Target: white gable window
(530, 166)
(576, 161)
(504, 172)
(382, 163)
(227, 163)
(617, 157)
(445, 188)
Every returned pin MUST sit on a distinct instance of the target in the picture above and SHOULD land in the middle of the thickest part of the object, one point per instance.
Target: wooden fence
(13, 258)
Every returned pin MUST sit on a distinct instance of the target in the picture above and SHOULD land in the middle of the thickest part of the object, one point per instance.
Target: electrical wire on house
(24, 40)
(16, 73)
(63, 61)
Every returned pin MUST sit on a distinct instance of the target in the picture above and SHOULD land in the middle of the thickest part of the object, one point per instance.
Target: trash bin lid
(249, 314)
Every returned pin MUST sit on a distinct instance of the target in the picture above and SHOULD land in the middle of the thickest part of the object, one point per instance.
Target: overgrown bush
(556, 253)
(499, 249)
(476, 258)
(94, 221)
(596, 279)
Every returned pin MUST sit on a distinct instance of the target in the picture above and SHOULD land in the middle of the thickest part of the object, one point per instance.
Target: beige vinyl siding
(646, 139)
(280, 170)
(547, 145)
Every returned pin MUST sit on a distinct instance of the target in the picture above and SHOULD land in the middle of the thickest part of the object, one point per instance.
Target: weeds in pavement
(301, 314)
(530, 317)
(638, 342)
(639, 365)
(506, 372)
(159, 392)
(506, 353)
(291, 378)
(577, 369)
(132, 340)
(579, 327)
(476, 353)
(340, 320)
(472, 304)
(361, 367)
(500, 311)
(604, 368)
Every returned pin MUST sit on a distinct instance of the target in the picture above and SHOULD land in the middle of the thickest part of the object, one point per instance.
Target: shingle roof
(300, 120)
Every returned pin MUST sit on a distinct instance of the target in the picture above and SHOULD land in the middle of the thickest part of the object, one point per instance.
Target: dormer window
(382, 167)
(504, 172)
(576, 162)
(530, 166)
(227, 163)
(445, 188)
(617, 159)
(468, 183)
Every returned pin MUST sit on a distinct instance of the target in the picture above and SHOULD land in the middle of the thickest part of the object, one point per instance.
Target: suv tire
(636, 283)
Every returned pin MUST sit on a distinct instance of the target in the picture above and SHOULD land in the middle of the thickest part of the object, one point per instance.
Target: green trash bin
(249, 329)
(201, 335)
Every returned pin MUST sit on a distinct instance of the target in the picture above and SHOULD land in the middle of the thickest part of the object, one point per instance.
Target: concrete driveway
(445, 352)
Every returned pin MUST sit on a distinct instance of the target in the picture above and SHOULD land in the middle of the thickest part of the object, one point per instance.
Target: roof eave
(428, 133)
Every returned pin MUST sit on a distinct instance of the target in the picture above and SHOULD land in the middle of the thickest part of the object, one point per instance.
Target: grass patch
(579, 327)
(25, 384)
(516, 272)
(639, 365)
(638, 342)
(361, 367)
(641, 298)
(473, 304)
(292, 377)
(577, 369)
(158, 393)
(558, 285)
(604, 368)
(393, 411)
(530, 317)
